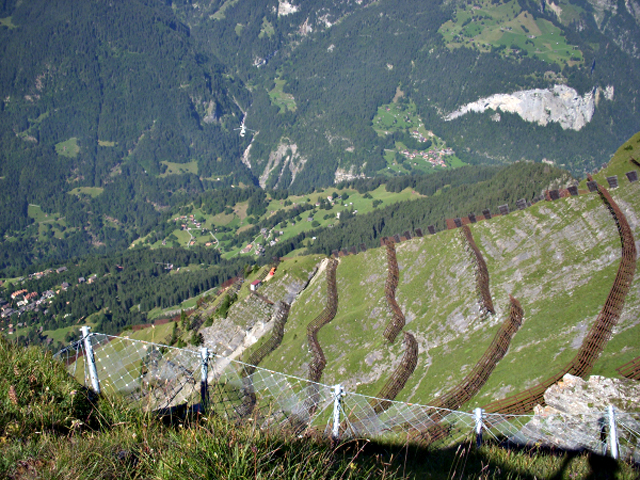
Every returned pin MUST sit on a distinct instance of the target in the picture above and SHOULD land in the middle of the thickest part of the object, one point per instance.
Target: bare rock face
(285, 156)
(575, 416)
(342, 174)
(573, 395)
(561, 104)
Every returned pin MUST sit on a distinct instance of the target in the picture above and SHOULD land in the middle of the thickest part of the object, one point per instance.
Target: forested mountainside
(159, 277)
(111, 114)
(324, 70)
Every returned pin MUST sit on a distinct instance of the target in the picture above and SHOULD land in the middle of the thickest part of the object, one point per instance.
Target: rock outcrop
(285, 156)
(561, 104)
(343, 174)
(575, 418)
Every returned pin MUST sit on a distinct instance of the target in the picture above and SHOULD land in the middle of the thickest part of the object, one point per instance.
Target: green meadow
(509, 29)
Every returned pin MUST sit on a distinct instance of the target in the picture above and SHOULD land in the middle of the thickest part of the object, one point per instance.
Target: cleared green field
(284, 101)
(180, 168)
(68, 148)
(91, 191)
(511, 30)
(7, 22)
(183, 236)
(106, 143)
(222, 219)
(267, 29)
(153, 334)
(47, 223)
(35, 212)
(220, 14)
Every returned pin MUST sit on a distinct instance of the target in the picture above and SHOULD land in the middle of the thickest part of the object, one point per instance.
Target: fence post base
(478, 413)
(90, 359)
(338, 393)
(204, 381)
(613, 433)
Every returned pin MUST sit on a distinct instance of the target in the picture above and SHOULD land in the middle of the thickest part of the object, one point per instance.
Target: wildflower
(12, 395)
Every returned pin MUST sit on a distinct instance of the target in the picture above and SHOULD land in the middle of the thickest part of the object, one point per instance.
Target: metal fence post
(613, 433)
(478, 413)
(90, 359)
(204, 382)
(338, 393)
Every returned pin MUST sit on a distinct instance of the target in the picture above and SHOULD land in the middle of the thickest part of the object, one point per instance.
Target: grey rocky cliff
(610, 19)
(575, 415)
(561, 104)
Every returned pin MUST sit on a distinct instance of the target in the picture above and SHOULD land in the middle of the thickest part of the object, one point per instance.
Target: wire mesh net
(161, 378)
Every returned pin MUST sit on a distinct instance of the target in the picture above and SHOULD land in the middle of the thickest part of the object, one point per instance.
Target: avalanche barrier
(600, 332)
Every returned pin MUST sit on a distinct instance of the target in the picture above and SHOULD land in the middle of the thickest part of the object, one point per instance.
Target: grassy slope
(620, 163)
(507, 25)
(558, 258)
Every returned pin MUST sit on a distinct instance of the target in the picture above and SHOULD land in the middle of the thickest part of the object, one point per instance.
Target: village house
(15, 295)
(31, 296)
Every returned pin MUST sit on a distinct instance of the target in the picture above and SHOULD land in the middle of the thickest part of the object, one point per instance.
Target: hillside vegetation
(222, 234)
(557, 258)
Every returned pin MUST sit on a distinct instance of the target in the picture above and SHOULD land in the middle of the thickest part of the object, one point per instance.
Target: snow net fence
(169, 380)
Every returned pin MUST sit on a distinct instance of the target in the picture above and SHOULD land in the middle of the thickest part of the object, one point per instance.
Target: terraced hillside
(558, 258)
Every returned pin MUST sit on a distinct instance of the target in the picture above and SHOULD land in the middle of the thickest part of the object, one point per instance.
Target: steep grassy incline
(559, 259)
(562, 267)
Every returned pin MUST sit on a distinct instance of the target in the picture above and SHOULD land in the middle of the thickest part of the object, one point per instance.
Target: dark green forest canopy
(340, 75)
(499, 186)
(114, 114)
(129, 284)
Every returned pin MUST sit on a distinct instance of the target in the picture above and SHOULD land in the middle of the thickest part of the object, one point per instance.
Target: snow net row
(400, 376)
(600, 332)
(405, 369)
(279, 317)
(397, 322)
(482, 273)
(496, 351)
(317, 364)
(436, 426)
(631, 369)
